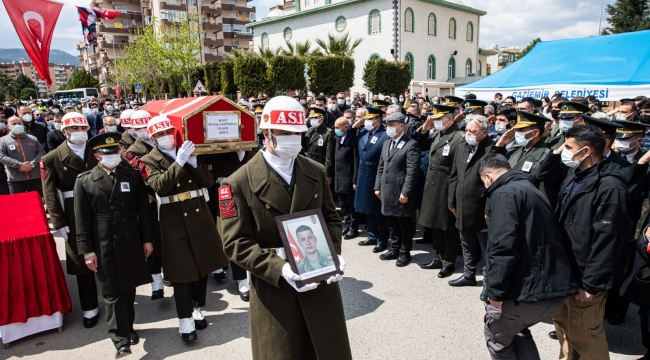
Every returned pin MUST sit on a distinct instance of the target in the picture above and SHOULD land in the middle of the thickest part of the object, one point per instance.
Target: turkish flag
(295, 250)
(34, 21)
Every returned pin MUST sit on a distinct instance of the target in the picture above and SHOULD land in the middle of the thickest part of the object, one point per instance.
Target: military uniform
(528, 160)
(126, 141)
(59, 171)
(324, 260)
(319, 143)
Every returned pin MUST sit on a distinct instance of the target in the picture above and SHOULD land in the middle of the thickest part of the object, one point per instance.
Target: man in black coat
(397, 174)
(636, 287)
(528, 270)
(346, 169)
(56, 137)
(593, 209)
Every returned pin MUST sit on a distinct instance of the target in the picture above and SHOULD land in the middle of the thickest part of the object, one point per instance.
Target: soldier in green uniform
(191, 249)
(59, 170)
(114, 235)
(129, 135)
(313, 259)
(141, 147)
(286, 322)
(259, 108)
(570, 115)
(319, 142)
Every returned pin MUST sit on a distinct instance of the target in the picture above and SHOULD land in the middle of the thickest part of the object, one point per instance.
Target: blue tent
(610, 67)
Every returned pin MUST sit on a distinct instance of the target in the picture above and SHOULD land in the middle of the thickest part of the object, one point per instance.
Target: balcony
(210, 26)
(218, 28)
(211, 10)
(114, 30)
(212, 58)
(234, 7)
(109, 45)
(237, 35)
(167, 6)
(236, 21)
(213, 42)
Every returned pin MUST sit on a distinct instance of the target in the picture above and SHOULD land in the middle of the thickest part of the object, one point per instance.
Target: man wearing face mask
(322, 102)
(129, 136)
(333, 108)
(114, 235)
(346, 170)
(505, 119)
(59, 171)
(278, 182)
(569, 115)
(369, 142)
(626, 111)
(93, 112)
(435, 216)
(141, 147)
(56, 137)
(4, 187)
(109, 124)
(190, 249)
(32, 128)
(20, 154)
(259, 109)
(318, 142)
(593, 211)
(340, 102)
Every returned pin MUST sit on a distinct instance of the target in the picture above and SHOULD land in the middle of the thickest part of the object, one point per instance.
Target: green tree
(181, 48)
(213, 77)
(227, 78)
(528, 48)
(299, 49)
(27, 93)
(286, 73)
(249, 73)
(82, 79)
(386, 77)
(330, 74)
(21, 83)
(628, 15)
(341, 45)
(7, 89)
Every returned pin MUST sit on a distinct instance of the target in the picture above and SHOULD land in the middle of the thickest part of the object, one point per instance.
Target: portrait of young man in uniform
(314, 259)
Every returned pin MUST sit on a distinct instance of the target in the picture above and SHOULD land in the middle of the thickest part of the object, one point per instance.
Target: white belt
(277, 251)
(68, 194)
(62, 195)
(184, 196)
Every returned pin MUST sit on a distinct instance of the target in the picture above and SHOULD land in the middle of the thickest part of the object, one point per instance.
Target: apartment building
(58, 73)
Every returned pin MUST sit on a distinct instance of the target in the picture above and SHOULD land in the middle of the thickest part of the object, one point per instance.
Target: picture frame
(308, 245)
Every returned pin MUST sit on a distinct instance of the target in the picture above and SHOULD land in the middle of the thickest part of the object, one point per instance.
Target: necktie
(112, 176)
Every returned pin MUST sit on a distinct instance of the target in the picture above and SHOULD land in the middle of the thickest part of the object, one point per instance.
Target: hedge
(386, 77)
(227, 79)
(286, 73)
(330, 74)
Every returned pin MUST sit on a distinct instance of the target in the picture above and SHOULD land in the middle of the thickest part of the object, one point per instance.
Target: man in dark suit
(369, 141)
(56, 137)
(397, 174)
(346, 169)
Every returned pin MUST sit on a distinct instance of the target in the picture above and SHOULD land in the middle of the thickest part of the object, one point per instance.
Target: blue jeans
(377, 228)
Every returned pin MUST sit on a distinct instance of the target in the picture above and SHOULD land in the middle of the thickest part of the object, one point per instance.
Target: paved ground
(392, 313)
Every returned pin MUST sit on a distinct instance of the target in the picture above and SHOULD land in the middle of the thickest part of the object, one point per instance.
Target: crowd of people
(547, 198)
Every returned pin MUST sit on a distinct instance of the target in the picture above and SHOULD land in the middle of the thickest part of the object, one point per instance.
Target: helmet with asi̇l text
(283, 113)
(125, 118)
(73, 119)
(158, 124)
(140, 119)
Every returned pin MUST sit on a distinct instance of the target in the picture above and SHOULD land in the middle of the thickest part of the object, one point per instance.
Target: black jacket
(40, 132)
(54, 139)
(597, 228)
(525, 257)
(346, 167)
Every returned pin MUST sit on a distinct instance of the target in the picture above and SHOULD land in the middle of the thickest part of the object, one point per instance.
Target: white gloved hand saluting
(64, 231)
(291, 278)
(338, 277)
(192, 161)
(184, 153)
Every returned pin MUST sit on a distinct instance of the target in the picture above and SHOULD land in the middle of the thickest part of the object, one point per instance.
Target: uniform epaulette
(84, 173)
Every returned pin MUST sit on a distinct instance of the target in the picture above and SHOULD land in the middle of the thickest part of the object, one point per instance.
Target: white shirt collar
(630, 156)
(284, 167)
(398, 139)
(79, 150)
(171, 152)
(148, 142)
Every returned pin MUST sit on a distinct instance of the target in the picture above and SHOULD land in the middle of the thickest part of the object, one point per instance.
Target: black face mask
(555, 113)
(423, 117)
(644, 119)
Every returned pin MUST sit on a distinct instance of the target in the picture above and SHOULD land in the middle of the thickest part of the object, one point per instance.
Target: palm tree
(299, 49)
(267, 53)
(337, 45)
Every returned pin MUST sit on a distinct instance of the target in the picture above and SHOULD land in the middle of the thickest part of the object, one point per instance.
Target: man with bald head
(20, 154)
(346, 166)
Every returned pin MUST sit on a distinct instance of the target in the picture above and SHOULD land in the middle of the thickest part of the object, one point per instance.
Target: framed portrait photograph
(308, 245)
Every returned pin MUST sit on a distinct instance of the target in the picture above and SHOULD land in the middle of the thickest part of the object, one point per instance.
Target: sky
(507, 23)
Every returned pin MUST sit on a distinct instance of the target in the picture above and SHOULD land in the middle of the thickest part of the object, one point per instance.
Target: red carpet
(31, 278)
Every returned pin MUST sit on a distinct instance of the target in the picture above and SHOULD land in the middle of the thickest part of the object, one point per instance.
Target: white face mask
(331, 107)
(111, 128)
(78, 137)
(500, 128)
(623, 146)
(109, 108)
(143, 134)
(340, 101)
(94, 110)
(288, 146)
(487, 185)
(57, 126)
(111, 161)
(471, 140)
(132, 132)
(520, 138)
(165, 142)
(437, 124)
(391, 131)
(3, 126)
(314, 122)
(567, 158)
(368, 125)
(18, 129)
(117, 120)
(27, 118)
(565, 125)
(56, 111)
(621, 117)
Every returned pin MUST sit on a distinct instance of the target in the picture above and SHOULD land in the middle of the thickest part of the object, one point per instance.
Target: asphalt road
(392, 313)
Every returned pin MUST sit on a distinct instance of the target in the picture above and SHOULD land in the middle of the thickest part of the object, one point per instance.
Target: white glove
(184, 152)
(192, 161)
(64, 231)
(291, 278)
(338, 277)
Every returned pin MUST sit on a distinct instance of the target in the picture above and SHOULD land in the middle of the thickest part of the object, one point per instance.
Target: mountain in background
(56, 56)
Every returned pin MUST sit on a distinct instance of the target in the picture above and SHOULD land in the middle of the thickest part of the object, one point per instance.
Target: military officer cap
(629, 129)
(106, 142)
(569, 109)
(316, 112)
(440, 110)
(608, 127)
(69, 106)
(259, 108)
(373, 112)
(379, 103)
(396, 116)
(526, 119)
(472, 105)
(453, 100)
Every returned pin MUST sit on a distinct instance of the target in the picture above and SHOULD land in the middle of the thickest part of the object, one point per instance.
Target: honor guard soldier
(259, 109)
(114, 234)
(141, 147)
(222, 166)
(59, 171)
(129, 136)
(190, 246)
(318, 142)
(438, 221)
(286, 322)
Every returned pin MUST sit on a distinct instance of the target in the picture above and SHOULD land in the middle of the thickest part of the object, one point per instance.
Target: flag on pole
(87, 16)
(295, 250)
(34, 22)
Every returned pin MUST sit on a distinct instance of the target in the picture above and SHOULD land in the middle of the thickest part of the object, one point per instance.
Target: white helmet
(283, 113)
(140, 119)
(158, 124)
(73, 119)
(125, 118)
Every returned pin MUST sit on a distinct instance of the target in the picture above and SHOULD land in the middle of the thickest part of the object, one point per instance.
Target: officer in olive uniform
(570, 116)
(114, 234)
(286, 322)
(473, 106)
(258, 109)
(191, 249)
(609, 130)
(380, 104)
(319, 142)
(440, 223)
(59, 170)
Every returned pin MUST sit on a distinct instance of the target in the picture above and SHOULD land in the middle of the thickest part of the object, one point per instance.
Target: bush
(227, 80)
(330, 74)
(27, 92)
(213, 77)
(286, 73)
(386, 77)
(250, 75)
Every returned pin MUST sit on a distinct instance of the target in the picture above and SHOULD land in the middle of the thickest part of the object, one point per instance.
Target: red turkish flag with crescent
(295, 250)
(34, 21)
